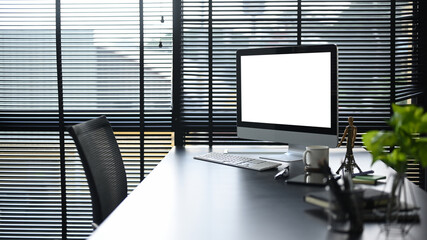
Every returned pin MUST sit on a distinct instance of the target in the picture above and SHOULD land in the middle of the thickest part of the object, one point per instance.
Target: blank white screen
(290, 89)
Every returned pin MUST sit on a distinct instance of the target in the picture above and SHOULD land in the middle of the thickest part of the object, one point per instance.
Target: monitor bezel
(333, 130)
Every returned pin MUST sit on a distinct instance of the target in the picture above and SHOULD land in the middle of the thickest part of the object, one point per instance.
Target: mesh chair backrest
(103, 165)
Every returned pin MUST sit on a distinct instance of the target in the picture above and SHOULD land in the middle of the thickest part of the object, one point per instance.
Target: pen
(363, 173)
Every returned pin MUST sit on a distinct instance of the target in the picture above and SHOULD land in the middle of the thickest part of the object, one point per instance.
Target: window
(114, 61)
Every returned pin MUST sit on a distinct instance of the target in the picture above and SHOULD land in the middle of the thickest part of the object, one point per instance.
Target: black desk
(185, 198)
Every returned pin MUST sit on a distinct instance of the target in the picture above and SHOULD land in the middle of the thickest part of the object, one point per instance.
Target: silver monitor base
(294, 153)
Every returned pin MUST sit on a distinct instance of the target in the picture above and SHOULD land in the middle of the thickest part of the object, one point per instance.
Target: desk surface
(184, 198)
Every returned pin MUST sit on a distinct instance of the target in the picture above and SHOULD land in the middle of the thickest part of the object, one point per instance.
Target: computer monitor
(288, 95)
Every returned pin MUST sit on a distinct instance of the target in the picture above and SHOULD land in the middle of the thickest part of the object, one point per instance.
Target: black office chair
(103, 165)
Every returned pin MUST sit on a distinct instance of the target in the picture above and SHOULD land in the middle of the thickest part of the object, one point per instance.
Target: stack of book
(374, 205)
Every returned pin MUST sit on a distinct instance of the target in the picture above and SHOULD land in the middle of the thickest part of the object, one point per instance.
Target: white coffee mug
(315, 154)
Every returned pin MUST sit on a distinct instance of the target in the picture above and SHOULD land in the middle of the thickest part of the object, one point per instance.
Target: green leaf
(421, 151)
(423, 124)
(398, 156)
(379, 139)
(375, 141)
(397, 160)
(371, 145)
(407, 139)
(406, 118)
(367, 138)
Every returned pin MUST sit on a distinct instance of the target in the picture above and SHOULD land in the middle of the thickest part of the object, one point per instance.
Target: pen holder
(345, 217)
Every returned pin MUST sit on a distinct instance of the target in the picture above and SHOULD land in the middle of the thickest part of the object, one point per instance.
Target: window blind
(377, 56)
(212, 31)
(100, 71)
(115, 60)
(30, 191)
(376, 44)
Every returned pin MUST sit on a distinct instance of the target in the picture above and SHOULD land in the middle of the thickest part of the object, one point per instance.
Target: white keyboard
(238, 161)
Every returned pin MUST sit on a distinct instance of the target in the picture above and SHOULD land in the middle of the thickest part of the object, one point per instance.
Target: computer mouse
(282, 174)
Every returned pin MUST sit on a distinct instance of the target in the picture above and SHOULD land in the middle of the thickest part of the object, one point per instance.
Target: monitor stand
(294, 153)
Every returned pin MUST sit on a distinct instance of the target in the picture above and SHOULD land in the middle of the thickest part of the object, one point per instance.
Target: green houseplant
(406, 140)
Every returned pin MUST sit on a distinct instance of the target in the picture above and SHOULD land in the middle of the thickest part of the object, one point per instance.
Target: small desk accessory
(314, 175)
(314, 155)
(284, 173)
(371, 198)
(348, 164)
(315, 179)
(363, 173)
(367, 179)
(374, 203)
(346, 216)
